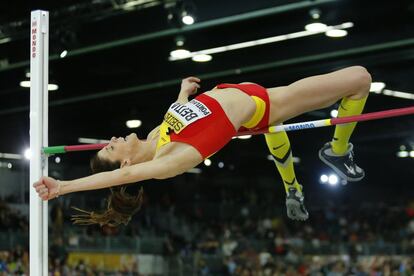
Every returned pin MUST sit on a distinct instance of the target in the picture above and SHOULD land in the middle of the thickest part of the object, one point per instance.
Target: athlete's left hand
(190, 85)
(47, 187)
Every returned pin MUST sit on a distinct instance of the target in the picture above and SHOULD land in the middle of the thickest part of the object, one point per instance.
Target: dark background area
(93, 77)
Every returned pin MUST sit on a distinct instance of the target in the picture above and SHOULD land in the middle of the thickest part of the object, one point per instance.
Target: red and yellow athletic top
(203, 124)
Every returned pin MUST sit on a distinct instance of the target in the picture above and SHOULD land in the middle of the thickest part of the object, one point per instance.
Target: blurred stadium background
(109, 62)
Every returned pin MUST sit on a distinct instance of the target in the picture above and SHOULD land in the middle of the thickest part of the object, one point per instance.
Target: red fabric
(253, 89)
(209, 134)
(213, 132)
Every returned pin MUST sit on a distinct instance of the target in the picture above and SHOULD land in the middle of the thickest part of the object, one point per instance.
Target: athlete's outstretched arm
(162, 168)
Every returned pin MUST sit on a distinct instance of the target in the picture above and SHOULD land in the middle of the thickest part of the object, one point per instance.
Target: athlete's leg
(279, 147)
(349, 106)
(351, 84)
(317, 92)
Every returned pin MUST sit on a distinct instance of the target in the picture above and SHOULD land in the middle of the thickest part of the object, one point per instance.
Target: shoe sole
(293, 210)
(340, 173)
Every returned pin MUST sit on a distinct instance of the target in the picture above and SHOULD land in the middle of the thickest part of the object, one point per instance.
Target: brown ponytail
(121, 205)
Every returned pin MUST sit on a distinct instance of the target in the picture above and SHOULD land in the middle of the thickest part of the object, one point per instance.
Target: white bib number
(179, 116)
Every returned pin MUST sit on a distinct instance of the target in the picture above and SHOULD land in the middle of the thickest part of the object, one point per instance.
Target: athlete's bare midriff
(238, 106)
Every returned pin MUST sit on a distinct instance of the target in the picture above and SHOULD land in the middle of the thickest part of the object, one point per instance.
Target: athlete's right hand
(47, 187)
(190, 85)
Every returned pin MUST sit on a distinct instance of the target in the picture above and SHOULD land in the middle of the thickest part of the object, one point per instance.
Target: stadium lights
(133, 123)
(263, 41)
(405, 152)
(179, 41)
(10, 156)
(63, 54)
(402, 153)
(316, 27)
(5, 40)
(398, 94)
(6, 165)
(50, 86)
(129, 5)
(202, 58)
(377, 87)
(324, 178)
(27, 154)
(244, 137)
(186, 11)
(187, 18)
(336, 33)
(207, 162)
(194, 170)
(179, 52)
(331, 179)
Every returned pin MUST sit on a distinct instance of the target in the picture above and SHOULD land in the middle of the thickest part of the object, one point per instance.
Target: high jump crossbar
(272, 129)
(39, 79)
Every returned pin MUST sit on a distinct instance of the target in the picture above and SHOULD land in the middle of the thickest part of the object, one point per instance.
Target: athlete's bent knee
(361, 76)
(361, 79)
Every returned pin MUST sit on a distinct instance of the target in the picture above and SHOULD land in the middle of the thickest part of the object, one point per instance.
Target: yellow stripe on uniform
(258, 114)
(164, 137)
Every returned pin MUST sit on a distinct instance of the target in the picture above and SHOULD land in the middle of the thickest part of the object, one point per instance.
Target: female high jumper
(193, 130)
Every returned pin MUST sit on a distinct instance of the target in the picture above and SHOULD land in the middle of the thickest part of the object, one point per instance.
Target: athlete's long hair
(121, 205)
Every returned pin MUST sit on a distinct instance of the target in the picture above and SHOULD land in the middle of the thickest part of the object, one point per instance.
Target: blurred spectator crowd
(245, 234)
